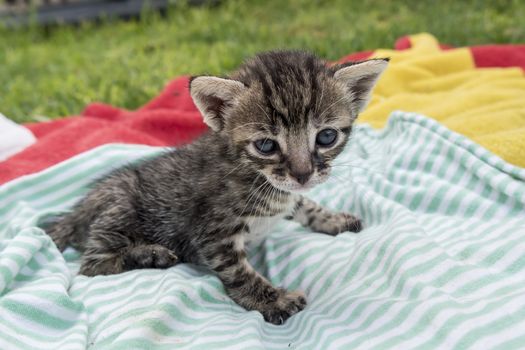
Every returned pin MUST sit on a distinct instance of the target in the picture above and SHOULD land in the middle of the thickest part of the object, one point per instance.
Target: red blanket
(169, 119)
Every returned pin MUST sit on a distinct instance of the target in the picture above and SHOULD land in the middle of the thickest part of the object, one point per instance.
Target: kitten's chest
(261, 226)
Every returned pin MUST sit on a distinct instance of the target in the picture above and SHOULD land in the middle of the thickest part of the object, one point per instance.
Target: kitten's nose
(302, 177)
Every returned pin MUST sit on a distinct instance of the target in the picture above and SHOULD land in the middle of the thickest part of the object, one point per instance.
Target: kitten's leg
(103, 260)
(112, 247)
(246, 286)
(98, 259)
(312, 215)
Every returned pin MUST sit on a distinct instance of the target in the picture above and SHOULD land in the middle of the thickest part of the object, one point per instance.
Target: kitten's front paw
(286, 305)
(350, 223)
(336, 223)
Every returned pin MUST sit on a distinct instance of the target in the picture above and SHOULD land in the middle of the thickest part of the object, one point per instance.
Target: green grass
(56, 73)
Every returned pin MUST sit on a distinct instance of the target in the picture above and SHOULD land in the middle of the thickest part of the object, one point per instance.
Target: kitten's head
(287, 113)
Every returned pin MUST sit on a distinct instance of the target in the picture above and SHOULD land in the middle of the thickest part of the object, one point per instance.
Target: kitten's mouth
(295, 187)
(302, 188)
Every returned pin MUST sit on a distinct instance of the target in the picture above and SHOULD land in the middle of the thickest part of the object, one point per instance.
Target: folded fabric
(440, 264)
(13, 138)
(454, 87)
(169, 119)
(486, 105)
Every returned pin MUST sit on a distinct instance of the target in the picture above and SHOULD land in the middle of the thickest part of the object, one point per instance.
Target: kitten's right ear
(214, 97)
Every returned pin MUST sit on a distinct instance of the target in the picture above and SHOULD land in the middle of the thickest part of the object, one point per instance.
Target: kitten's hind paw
(149, 256)
(286, 305)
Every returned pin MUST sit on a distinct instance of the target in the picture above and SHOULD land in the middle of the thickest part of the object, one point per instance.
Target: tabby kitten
(275, 126)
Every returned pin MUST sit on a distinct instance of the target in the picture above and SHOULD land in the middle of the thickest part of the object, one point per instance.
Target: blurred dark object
(15, 13)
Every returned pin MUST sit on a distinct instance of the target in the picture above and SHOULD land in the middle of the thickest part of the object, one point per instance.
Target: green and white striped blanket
(441, 264)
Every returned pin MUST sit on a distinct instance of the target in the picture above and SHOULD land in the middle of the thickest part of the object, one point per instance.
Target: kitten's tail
(68, 230)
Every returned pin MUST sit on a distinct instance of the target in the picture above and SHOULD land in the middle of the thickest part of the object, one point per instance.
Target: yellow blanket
(485, 104)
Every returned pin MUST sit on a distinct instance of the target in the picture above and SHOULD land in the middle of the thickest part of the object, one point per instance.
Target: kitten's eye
(326, 137)
(266, 146)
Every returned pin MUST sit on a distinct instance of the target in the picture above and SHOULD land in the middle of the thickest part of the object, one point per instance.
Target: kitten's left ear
(360, 78)
(214, 98)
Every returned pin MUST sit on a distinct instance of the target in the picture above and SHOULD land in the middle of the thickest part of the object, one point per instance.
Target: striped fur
(202, 202)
